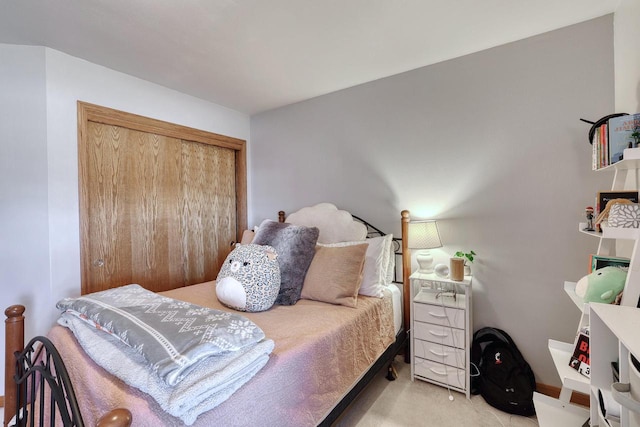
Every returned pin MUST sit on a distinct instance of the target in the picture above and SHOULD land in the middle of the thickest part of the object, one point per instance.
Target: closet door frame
(94, 113)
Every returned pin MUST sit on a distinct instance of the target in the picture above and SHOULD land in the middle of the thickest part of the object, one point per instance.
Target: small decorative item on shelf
(606, 199)
(456, 270)
(467, 258)
(636, 137)
(604, 285)
(624, 215)
(589, 213)
(441, 270)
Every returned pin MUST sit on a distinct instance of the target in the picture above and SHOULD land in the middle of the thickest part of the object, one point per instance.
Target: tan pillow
(335, 274)
(247, 237)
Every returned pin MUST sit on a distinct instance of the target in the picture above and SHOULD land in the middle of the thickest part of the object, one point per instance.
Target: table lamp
(423, 235)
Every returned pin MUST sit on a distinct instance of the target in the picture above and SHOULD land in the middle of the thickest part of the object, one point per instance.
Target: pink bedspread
(320, 351)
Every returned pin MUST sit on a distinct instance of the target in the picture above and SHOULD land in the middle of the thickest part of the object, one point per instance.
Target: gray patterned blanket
(171, 335)
(208, 384)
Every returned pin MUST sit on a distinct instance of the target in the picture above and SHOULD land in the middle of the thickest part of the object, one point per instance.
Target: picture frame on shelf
(600, 261)
(605, 196)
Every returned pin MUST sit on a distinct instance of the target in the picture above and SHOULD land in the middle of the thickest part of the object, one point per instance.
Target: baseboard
(553, 391)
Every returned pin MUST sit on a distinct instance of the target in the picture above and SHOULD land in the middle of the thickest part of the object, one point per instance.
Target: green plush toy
(603, 285)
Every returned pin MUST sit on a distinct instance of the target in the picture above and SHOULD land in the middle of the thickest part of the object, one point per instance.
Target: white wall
(24, 234)
(490, 144)
(627, 56)
(70, 79)
(40, 143)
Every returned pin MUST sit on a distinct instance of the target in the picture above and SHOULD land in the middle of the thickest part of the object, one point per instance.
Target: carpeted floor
(418, 403)
(402, 403)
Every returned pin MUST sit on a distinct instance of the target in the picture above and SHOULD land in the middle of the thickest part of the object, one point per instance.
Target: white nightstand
(441, 331)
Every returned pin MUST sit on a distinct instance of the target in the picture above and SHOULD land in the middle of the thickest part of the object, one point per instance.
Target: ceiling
(255, 55)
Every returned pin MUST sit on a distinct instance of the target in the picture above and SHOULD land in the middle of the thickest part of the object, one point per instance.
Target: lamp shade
(423, 235)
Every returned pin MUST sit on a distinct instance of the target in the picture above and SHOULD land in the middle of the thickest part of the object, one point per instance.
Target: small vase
(467, 270)
(456, 269)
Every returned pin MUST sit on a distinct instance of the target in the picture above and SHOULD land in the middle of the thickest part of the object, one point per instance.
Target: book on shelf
(623, 132)
(595, 151)
(611, 139)
(600, 147)
(581, 358)
(605, 145)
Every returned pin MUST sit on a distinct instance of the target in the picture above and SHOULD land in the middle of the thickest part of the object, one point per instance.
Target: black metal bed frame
(38, 367)
(376, 232)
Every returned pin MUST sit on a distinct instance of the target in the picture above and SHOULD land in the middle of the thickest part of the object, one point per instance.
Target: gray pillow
(296, 246)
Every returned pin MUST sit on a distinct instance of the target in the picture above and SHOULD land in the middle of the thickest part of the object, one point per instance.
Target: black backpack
(501, 375)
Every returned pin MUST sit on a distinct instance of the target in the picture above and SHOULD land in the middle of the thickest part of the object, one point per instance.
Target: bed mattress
(320, 351)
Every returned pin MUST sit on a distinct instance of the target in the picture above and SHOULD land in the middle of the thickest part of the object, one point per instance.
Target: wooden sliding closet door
(155, 208)
(133, 201)
(208, 219)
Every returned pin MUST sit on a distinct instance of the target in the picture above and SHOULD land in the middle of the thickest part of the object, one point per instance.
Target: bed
(319, 364)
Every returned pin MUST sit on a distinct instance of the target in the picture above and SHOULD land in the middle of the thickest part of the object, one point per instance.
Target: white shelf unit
(571, 380)
(614, 334)
(626, 177)
(612, 232)
(626, 171)
(605, 345)
(570, 289)
(561, 353)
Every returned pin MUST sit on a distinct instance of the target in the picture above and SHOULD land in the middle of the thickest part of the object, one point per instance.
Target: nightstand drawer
(439, 315)
(439, 334)
(442, 373)
(439, 353)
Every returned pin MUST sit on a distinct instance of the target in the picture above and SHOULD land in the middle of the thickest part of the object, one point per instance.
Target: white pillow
(375, 264)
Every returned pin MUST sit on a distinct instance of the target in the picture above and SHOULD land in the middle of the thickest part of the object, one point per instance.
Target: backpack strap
(483, 337)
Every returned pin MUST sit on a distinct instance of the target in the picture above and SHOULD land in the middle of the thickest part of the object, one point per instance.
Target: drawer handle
(444, 354)
(442, 335)
(442, 374)
(441, 316)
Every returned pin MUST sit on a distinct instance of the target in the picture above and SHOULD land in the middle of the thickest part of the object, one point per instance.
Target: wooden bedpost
(406, 286)
(280, 216)
(14, 341)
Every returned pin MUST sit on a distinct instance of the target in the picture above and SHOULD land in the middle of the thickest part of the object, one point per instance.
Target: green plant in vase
(636, 138)
(467, 257)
